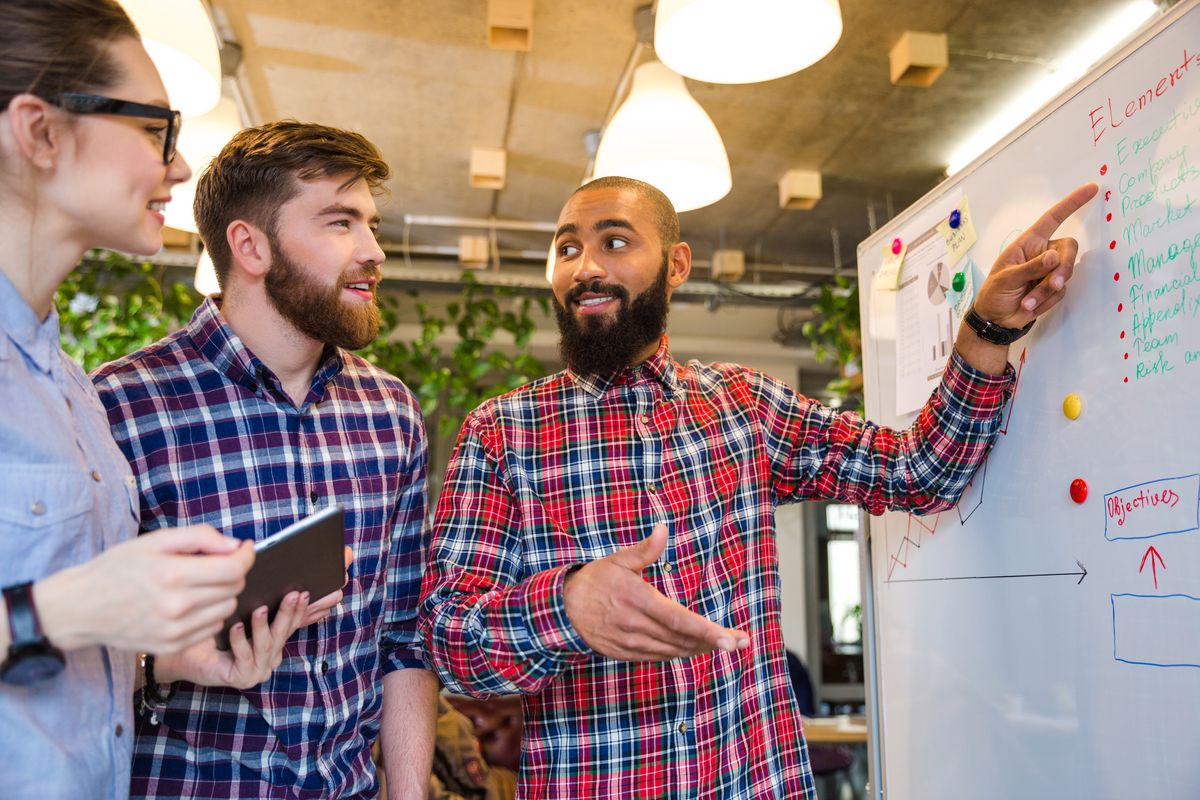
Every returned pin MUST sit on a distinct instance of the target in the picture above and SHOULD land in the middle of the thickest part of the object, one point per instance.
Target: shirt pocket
(46, 519)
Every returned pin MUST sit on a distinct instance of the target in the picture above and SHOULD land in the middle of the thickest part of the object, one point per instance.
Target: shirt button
(323, 667)
(683, 727)
(652, 487)
(667, 567)
(645, 419)
(38, 508)
(119, 730)
(95, 476)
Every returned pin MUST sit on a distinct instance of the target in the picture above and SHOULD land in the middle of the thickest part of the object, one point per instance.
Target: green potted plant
(835, 331)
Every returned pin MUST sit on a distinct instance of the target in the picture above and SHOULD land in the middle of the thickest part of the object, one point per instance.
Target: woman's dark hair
(53, 46)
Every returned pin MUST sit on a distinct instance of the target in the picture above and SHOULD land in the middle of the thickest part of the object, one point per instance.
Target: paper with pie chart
(925, 321)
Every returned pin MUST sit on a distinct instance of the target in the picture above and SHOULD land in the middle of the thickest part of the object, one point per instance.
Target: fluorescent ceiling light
(662, 136)
(744, 41)
(1066, 70)
(180, 39)
(200, 140)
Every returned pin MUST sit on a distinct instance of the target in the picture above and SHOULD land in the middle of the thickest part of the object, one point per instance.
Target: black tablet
(306, 556)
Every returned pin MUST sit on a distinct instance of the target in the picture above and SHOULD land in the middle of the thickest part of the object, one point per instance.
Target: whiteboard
(1002, 669)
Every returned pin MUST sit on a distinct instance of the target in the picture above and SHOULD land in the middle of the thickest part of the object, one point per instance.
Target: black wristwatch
(991, 332)
(31, 657)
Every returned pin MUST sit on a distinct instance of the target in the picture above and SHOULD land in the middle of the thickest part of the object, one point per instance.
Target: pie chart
(939, 284)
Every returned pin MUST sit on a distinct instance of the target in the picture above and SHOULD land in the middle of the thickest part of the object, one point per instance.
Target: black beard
(316, 310)
(593, 346)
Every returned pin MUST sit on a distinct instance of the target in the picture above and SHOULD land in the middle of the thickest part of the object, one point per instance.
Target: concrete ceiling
(418, 79)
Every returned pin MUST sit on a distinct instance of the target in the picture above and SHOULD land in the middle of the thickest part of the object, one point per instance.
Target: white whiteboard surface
(1045, 686)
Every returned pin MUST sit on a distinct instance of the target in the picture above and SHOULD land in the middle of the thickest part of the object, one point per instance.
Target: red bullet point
(1116, 276)
(1119, 307)
(1122, 334)
(1112, 245)
(1127, 356)
(1079, 490)
(1104, 169)
(1127, 380)
(1107, 196)
(1108, 217)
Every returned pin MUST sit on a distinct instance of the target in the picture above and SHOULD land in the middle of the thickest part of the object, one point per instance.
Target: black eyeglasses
(79, 103)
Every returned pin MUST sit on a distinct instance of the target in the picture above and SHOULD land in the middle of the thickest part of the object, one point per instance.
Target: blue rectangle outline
(1104, 510)
(1112, 599)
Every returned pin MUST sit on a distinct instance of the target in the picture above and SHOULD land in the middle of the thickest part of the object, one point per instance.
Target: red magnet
(896, 247)
(1079, 490)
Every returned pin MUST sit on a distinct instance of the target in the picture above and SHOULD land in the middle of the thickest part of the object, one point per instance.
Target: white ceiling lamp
(181, 41)
(206, 276)
(744, 41)
(200, 140)
(662, 136)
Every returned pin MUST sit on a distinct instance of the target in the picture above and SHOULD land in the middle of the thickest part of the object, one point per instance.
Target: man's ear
(249, 247)
(679, 264)
(35, 128)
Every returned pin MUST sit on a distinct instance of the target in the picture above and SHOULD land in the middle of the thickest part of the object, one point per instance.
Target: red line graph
(912, 539)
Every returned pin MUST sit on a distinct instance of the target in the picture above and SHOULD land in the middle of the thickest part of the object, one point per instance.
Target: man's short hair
(259, 171)
(665, 217)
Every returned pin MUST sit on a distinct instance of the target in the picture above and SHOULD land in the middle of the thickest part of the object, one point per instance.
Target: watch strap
(991, 332)
(24, 627)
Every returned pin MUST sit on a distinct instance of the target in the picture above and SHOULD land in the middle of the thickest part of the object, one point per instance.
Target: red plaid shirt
(570, 468)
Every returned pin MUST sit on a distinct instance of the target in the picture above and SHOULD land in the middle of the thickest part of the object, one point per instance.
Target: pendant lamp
(200, 140)
(744, 41)
(181, 41)
(662, 136)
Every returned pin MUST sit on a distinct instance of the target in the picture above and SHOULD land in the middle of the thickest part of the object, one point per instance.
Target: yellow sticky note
(960, 239)
(888, 276)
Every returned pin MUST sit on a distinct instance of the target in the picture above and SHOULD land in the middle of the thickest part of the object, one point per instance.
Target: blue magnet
(955, 218)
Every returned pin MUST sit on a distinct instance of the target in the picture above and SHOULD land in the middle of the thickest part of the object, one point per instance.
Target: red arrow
(1153, 555)
(1013, 401)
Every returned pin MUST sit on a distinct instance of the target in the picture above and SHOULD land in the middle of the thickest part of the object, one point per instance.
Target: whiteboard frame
(877, 765)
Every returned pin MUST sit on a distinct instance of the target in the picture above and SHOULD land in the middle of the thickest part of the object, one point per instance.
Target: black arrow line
(1082, 574)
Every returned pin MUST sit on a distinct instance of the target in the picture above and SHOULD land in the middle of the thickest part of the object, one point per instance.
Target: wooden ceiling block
(919, 58)
(488, 167)
(800, 189)
(474, 252)
(728, 265)
(510, 24)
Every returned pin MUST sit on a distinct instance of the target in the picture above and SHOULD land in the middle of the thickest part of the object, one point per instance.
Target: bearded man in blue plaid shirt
(250, 418)
(604, 541)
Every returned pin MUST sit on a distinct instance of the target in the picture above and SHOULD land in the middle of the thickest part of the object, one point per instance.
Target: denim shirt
(65, 496)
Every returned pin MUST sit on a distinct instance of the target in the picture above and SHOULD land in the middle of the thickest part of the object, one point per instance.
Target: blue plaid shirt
(213, 438)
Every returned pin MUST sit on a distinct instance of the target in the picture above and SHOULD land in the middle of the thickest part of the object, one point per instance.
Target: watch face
(29, 668)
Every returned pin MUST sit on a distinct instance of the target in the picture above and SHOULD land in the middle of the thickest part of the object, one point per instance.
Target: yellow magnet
(1072, 406)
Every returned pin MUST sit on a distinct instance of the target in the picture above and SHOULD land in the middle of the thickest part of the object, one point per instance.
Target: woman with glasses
(87, 159)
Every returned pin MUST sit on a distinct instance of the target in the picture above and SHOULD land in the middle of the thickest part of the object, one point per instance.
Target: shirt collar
(38, 340)
(217, 342)
(659, 367)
